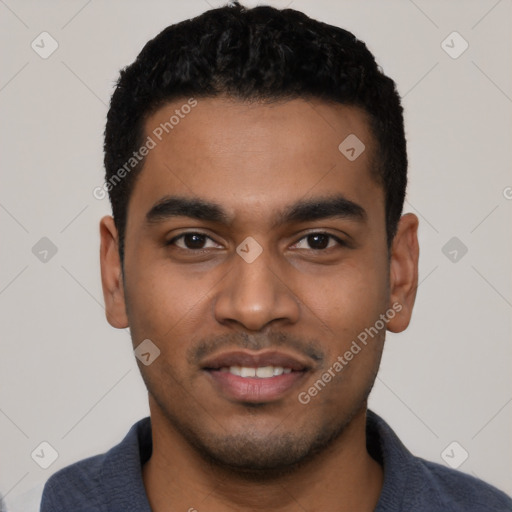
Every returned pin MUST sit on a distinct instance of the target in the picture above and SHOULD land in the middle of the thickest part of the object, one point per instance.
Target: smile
(262, 372)
(256, 377)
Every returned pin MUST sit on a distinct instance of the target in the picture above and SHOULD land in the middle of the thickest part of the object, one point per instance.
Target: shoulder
(103, 482)
(74, 485)
(456, 491)
(413, 483)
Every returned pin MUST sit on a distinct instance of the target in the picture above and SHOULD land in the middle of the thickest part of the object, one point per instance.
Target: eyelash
(340, 242)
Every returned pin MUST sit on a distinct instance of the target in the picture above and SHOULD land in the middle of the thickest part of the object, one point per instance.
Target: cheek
(348, 311)
(349, 299)
(355, 303)
(163, 303)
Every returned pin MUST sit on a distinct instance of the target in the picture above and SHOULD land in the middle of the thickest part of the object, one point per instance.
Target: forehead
(255, 157)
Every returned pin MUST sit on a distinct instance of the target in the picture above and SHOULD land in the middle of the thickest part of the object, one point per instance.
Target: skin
(217, 454)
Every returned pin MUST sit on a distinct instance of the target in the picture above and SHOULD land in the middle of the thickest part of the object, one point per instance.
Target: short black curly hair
(261, 54)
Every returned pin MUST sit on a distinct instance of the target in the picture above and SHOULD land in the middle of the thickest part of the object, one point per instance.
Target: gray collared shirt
(112, 482)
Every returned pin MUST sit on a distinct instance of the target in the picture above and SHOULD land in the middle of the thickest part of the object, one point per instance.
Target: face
(255, 257)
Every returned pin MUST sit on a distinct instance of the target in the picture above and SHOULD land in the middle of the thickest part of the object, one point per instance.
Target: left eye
(318, 241)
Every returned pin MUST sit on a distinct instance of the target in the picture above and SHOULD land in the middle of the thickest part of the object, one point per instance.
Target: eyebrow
(318, 208)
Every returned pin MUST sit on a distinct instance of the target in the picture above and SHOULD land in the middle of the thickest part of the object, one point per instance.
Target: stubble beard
(256, 457)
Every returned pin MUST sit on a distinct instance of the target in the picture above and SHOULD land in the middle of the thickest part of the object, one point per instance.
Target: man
(256, 164)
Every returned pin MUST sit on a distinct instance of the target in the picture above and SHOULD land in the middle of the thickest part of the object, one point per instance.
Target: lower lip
(253, 389)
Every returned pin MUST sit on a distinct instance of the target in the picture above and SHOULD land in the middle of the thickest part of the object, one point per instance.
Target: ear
(403, 275)
(111, 275)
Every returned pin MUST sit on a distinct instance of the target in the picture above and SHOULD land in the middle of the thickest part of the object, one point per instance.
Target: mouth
(260, 377)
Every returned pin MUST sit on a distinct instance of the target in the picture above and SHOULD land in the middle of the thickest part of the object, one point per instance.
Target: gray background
(70, 379)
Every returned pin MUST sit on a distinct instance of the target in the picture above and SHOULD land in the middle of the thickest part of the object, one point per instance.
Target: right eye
(190, 241)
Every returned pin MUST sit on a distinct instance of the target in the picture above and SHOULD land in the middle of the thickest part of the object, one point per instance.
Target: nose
(256, 294)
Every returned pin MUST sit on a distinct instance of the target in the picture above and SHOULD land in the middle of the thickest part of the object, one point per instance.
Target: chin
(263, 454)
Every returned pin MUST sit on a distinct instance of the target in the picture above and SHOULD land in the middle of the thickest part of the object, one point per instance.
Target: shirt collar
(121, 472)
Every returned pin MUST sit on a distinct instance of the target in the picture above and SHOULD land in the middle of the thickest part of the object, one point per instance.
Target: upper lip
(256, 360)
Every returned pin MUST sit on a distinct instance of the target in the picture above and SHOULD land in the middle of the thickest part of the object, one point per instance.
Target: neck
(342, 478)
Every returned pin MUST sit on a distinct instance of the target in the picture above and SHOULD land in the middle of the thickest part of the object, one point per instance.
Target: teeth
(247, 372)
(263, 372)
(235, 370)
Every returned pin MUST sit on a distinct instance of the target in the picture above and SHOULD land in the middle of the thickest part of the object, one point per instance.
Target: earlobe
(403, 274)
(111, 275)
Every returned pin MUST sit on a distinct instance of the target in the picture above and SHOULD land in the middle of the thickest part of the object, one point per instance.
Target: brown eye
(319, 241)
(190, 241)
